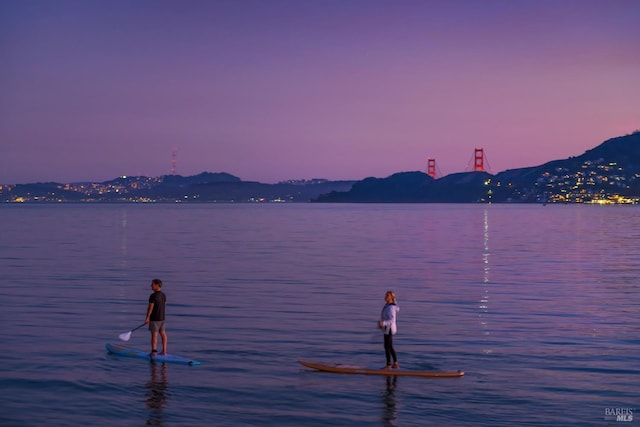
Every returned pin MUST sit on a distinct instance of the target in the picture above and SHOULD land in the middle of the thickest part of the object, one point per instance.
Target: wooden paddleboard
(125, 350)
(345, 369)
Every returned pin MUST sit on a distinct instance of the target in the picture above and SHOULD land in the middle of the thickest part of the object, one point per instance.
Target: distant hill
(398, 188)
(205, 187)
(203, 178)
(415, 187)
(623, 150)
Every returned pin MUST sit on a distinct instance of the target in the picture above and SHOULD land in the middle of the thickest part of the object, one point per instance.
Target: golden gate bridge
(479, 160)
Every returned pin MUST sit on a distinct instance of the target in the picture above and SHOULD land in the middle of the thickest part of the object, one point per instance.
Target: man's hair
(157, 282)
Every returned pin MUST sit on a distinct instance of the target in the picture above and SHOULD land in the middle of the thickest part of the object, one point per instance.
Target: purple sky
(270, 90)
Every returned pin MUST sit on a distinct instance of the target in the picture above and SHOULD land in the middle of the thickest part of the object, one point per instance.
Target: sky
(271, 90)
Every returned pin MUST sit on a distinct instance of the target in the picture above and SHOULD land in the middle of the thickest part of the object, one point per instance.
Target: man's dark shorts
(156, 326)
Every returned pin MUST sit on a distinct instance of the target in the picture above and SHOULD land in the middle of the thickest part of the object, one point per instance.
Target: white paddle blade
(126, 336)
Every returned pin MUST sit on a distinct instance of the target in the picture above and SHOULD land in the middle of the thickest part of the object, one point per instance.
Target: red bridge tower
(478, 164)
(431, 167)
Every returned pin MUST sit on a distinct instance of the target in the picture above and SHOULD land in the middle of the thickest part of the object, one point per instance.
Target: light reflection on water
(538, 305)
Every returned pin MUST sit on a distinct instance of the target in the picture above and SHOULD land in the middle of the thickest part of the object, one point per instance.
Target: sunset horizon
(271, 91)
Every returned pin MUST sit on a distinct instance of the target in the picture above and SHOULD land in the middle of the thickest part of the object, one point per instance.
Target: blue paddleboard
(124, 350)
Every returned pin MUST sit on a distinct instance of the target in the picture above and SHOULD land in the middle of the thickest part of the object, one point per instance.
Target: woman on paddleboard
(388, 325)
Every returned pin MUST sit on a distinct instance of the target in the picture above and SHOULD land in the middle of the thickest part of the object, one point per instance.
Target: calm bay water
(539, 305)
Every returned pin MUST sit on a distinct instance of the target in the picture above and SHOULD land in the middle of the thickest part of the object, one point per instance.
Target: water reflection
(389, 404)
(484, 298)
(123, 243)
(157, 394)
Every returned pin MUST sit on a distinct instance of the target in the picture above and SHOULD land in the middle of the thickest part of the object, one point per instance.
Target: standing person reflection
(390, 406)
(157, 394)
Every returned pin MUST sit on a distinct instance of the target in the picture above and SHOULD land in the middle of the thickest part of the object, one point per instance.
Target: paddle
(125, 336)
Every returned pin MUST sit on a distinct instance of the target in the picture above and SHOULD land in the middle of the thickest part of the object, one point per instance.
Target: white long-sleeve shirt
(388, 318)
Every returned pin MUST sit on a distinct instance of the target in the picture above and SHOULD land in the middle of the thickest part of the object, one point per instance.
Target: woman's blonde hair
(393, 295)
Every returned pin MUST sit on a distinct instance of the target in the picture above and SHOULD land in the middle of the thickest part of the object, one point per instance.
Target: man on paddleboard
(155, 317)
(388, 325)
